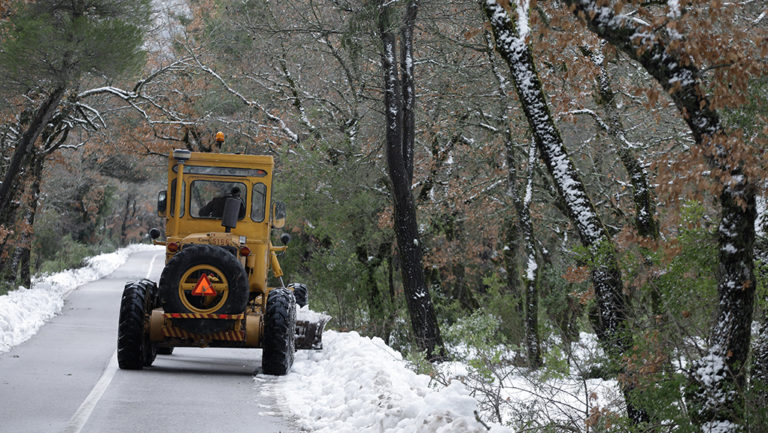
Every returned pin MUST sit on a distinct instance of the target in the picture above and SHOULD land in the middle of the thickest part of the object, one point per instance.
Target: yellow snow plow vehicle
(213, 291)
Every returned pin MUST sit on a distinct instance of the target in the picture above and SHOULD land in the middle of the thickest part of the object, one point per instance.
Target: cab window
(208, 198)
(259, 202)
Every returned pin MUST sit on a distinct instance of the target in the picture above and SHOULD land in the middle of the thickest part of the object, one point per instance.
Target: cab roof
(231, 160)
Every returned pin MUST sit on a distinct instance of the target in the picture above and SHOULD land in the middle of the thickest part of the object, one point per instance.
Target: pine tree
(48, 47)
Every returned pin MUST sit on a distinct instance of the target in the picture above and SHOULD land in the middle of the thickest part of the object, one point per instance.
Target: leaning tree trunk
(25, 146)
(10, 189)
(642, 192)
(716, 397)
(399, 100)
(611, 319)
(528, 304)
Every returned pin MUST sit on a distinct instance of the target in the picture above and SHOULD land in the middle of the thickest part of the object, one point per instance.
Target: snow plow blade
(309, 329)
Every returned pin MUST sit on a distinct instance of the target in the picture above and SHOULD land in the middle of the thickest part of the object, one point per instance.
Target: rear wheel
(228, 282)
(279, 333)
(134, 350)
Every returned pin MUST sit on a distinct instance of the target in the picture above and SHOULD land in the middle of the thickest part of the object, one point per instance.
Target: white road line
(152, 263)
(78, 420)
(83, 413)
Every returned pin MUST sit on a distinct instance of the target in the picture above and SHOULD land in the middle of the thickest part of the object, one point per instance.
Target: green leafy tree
(48, 47)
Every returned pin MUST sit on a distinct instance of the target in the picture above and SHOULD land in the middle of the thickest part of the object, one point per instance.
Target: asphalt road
(65, 378)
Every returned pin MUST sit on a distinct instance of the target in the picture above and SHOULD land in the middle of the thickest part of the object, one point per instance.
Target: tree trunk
(399, 100)
(21, 262)
(642, 192)
(611, 319)
(25, 146)
(758, 381)
(10, 189)
(717, 398)
(129, 212)
(381, 325)
(532, 341)
(511, 226)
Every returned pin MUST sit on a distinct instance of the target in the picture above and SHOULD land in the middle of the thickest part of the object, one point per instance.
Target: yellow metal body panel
(182, 228)
(253, 327)
(188, 229)
(156, 322)
(246, 331)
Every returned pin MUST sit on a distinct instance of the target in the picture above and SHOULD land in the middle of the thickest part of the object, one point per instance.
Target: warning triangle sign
(203, 287)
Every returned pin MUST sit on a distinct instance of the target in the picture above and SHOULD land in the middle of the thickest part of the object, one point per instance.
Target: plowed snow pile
(358, 384)
(24, 311)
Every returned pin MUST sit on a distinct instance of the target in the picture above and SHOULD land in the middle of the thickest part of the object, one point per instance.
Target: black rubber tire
(133, 348)
(150, 302)
(154, 293)
(300, 292)
(222, 259)
(279, 343)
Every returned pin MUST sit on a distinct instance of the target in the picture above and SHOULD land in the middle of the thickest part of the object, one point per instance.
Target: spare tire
(227, 279)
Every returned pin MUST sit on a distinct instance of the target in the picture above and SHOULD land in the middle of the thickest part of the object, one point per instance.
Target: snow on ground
(355, 384)
(558, 398)
(24, 311)
(359, 385)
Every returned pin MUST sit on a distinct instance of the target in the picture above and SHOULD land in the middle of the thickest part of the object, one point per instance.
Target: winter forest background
(494, 182)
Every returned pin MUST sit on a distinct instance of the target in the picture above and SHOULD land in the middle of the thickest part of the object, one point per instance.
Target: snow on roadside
(24, 311)
(358, 384)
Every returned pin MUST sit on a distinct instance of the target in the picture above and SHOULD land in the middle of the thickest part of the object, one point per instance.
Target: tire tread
(279, 333)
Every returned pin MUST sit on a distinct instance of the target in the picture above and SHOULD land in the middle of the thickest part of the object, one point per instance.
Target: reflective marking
(83, 413)
(78, 420)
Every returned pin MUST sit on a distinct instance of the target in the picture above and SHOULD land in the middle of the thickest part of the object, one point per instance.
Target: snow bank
(358, 384)
(24, 311)
(558, 397)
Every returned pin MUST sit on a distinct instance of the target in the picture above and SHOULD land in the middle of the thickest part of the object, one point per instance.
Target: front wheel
(279, 333)
(300, 292)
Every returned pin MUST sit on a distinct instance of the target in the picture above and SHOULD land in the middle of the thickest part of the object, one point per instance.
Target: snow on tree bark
(25, 146)
(532, 343)
(399, 100)
(720, 375)
(10, 189)
(530, 306)
(645, 209)
(758, 381)
(611, 320)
